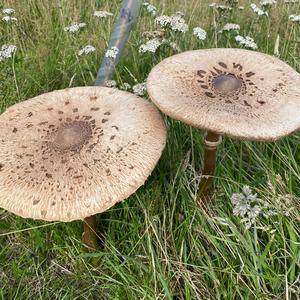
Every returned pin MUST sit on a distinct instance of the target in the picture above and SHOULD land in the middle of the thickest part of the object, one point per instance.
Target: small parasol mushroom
(237, 93)
(72, 153)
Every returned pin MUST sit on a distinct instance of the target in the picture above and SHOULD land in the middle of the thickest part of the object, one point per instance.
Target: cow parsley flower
(200, 33)
(150, 46)
(112, 52)
(175, 22)
(86, 50)
(267, 2)
(9, 19)
(110, 83)
(7, 51)
(102, 14)
(220, 6)
(247, 41)
(150, 8)
(258, 10)
(139, 89)
(74, 27)
(294, 18)
(231, 26)
(8, 11)
(125, 86)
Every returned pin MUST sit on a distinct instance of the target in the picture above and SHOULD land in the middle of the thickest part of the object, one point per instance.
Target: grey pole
(127, 17)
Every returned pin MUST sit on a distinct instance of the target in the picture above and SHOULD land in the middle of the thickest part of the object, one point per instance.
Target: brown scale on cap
(66, 164)
(239, 93)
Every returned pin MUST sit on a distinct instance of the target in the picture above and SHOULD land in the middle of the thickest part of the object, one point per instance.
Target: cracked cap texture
(72, 153)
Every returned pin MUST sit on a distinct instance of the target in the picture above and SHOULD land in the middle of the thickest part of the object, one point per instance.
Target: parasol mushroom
(232, 92)
(69, 154)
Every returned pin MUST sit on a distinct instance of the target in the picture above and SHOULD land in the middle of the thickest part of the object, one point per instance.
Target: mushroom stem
(89, 234)
(211, 142)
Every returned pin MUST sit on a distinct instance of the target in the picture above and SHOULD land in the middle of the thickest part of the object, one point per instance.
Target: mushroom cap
(72, 153)
(239, 93)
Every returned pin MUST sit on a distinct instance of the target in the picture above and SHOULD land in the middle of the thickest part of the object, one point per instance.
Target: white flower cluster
(220, 6)
(258, 10)
(247, 42)
(102, 14)
(7, 18)
(112, 52)
(8, 11)
(231, 26)
(86, 50)
(74, 27)
(7, 51)
(267, 2)
(248, 207)
(200, 33)
(125, 86)
(110, 83)
(175, 22)
(150, 8)
(150, 46)
(139, 89)
(294, 18)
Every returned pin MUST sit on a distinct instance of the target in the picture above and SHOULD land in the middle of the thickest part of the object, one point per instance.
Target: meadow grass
(158, 244)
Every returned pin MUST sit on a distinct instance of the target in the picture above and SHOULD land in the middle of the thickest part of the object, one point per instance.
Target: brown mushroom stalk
(211, 142)
(89, 236)
(236, 93)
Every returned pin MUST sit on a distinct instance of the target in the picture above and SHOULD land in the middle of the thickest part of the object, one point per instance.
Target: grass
(159, 244)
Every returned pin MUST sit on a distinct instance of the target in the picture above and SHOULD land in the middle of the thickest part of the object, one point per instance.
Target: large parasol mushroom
(72, 153)
(237, 93)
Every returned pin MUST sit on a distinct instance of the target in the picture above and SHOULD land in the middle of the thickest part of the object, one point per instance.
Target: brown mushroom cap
(238, 93)
(72, 153)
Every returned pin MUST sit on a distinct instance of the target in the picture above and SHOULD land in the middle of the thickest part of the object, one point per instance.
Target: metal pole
(127, 17)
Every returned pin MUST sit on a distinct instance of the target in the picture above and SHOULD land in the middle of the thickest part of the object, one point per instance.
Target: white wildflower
(150, 46)
(102, 14)
(163, 20)
(125, 86)
(139, 89)
(74, 27)
(220, 6)
(112, 52)
(178, 24)
(150, 8)
(175, 22)
(9, 19)
(258, 10)
(294, 18)
(7, 51)
(231, 26)
(86, 50)
(247, 42)
(8, 11)
(267, 2)
(200, 33)
(110, 83)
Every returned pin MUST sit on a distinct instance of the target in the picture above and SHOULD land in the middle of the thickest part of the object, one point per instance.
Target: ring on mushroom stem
(237, 93)
(70, 154)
